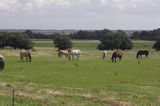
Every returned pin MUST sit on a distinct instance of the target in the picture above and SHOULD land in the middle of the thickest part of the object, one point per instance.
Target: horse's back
(143, 52)
(76, 51)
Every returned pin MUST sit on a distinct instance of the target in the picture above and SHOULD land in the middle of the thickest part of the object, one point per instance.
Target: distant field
(92, 44)
(90, 81)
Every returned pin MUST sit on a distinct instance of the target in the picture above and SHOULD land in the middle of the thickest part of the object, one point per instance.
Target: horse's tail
(30, 57)
(112, 58)
(59, 54)
(20, 54)
(137, 55)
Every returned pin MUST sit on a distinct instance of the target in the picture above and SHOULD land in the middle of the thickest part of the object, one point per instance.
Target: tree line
(15, 40)
(97, 34)
(146, 35)
(109, 41)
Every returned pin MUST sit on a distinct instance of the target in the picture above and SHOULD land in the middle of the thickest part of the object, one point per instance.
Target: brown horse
(142, 52)
(62, 52)
(115, 55)
(2, 62)
(25, 54)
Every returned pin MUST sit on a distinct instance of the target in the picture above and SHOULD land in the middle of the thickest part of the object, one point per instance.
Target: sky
(80, 14)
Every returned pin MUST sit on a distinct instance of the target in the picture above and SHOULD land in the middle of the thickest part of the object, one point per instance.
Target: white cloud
(79, 11)
(134, 6)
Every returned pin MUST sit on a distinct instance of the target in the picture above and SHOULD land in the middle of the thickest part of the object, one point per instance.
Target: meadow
(90, 81)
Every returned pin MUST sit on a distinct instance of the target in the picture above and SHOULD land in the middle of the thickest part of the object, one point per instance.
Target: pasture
(90, 81)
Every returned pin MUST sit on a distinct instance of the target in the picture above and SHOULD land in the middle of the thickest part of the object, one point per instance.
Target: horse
(104, 53)
(62, 52)
(73, 53)
(25, 54)
(115, 55)
(142, 52)
(2, 62)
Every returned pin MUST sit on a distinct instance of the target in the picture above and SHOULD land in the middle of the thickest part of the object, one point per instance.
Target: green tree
(106, 42)
(135, 35)
(118, 40)
(157, 45)
(62, 42)
(15, 40)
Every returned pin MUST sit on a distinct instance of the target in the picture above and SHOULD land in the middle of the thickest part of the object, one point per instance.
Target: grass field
(90, 81)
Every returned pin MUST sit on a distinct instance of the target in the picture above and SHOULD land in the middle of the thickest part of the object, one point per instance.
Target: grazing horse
(62, 52)
(104, 53)
(73, 53)
(2, 62)
(25, 54)
(115, 55)
(142, 52)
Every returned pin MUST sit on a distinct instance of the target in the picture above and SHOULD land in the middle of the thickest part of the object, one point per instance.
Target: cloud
(90, 6)
(79, 12)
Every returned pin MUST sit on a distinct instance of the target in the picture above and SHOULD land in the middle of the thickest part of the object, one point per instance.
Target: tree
(118, 40)
(20, 40)
(106, 42)
(135, 35)
(62, 42)
(30, 33)
(157, 45)
(15, 40)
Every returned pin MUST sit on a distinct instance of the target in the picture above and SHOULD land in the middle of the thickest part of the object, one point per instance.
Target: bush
(118, 40)
(62, 42)
(157, 45)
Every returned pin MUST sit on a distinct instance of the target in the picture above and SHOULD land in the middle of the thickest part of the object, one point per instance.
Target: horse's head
(69, 50)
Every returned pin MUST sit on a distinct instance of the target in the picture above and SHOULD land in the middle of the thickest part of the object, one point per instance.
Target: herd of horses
(69, 53)
(25, 56)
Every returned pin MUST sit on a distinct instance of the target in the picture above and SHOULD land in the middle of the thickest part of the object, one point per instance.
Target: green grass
(90, 81)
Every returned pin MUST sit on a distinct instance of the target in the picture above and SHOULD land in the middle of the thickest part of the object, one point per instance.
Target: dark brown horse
(115, 55)
(2, 62)
(142, 52)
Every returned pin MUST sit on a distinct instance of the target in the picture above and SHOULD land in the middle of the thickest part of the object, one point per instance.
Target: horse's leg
(26, 58)
(69, 56)
(103, 56)
(77, 56)
(120, 58)
(21, 58)
(59, 55)
(72, 56)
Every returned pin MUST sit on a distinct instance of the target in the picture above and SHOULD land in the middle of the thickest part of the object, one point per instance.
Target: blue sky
(79, 14)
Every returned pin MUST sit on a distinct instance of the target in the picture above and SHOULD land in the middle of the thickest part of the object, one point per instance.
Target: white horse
(2, 62)
(104, 53)
(73, 53)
